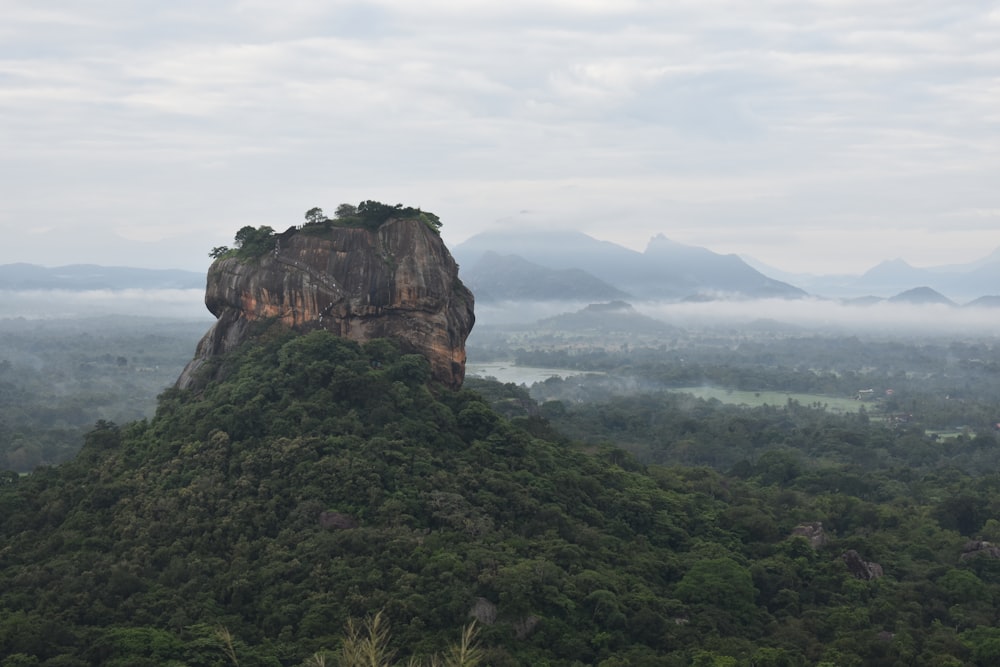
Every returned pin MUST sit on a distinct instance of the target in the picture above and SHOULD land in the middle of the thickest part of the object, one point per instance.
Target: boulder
(979, 549)
(813, 532)
(861, 568)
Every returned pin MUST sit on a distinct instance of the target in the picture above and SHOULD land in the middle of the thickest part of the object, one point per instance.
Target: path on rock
(315, 275)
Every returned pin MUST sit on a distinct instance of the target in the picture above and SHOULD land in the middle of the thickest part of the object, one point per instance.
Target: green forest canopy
(323, 480)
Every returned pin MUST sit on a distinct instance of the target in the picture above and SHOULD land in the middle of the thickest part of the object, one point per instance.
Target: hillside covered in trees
(321, 480)
(59, 376)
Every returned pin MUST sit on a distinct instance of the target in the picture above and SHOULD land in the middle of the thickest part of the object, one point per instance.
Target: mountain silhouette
(667, 270)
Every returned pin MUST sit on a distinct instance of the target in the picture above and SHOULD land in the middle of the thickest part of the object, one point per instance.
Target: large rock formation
(398, 282)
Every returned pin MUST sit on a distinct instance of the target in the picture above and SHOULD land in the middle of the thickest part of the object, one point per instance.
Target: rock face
(812, 531)
(979, 549)
(861, 568)
(397, 282)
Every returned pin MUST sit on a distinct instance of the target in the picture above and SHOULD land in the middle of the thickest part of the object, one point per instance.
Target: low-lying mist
(812, 315)
(809, 315)
(883, 317)
(39, 304)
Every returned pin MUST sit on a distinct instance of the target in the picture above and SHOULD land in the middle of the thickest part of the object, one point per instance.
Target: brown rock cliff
(398, 282)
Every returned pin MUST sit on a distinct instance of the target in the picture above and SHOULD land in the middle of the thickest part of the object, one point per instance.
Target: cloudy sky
(814, 135)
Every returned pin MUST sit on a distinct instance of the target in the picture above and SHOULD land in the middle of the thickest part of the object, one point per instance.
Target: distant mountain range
(512, 278)
(566, 265)
(83, 277)
(502, 266)
(560, 265)
(958, 281)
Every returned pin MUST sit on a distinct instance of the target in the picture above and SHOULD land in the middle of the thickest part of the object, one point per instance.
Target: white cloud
(714, 120)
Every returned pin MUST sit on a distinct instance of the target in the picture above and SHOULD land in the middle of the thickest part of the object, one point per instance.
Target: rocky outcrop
(813, 532)
(861, 568)
(484, 611)
(397, 282)
(979, 549)
(332, 520)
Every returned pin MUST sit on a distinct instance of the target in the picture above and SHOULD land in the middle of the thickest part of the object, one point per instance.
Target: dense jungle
(614, 517)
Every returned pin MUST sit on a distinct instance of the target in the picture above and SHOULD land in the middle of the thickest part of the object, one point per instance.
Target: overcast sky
(818, 136)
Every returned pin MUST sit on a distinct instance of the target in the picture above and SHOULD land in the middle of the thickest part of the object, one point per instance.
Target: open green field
(836, 404)
(949, 434)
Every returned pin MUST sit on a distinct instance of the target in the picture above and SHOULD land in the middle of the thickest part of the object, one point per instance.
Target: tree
(374, 213)
(244, 235)
(8, 478)
(429, 219)
(712, 659)
(218, 251)
(346, 211)
(314, 216)
(253, 242)
(721, 582)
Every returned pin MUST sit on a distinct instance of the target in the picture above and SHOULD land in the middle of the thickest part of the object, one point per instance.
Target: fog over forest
(32, 304)
(812, 314)
(883, 317)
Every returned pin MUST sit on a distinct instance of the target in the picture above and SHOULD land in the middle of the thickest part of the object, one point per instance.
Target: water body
(506, 371)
